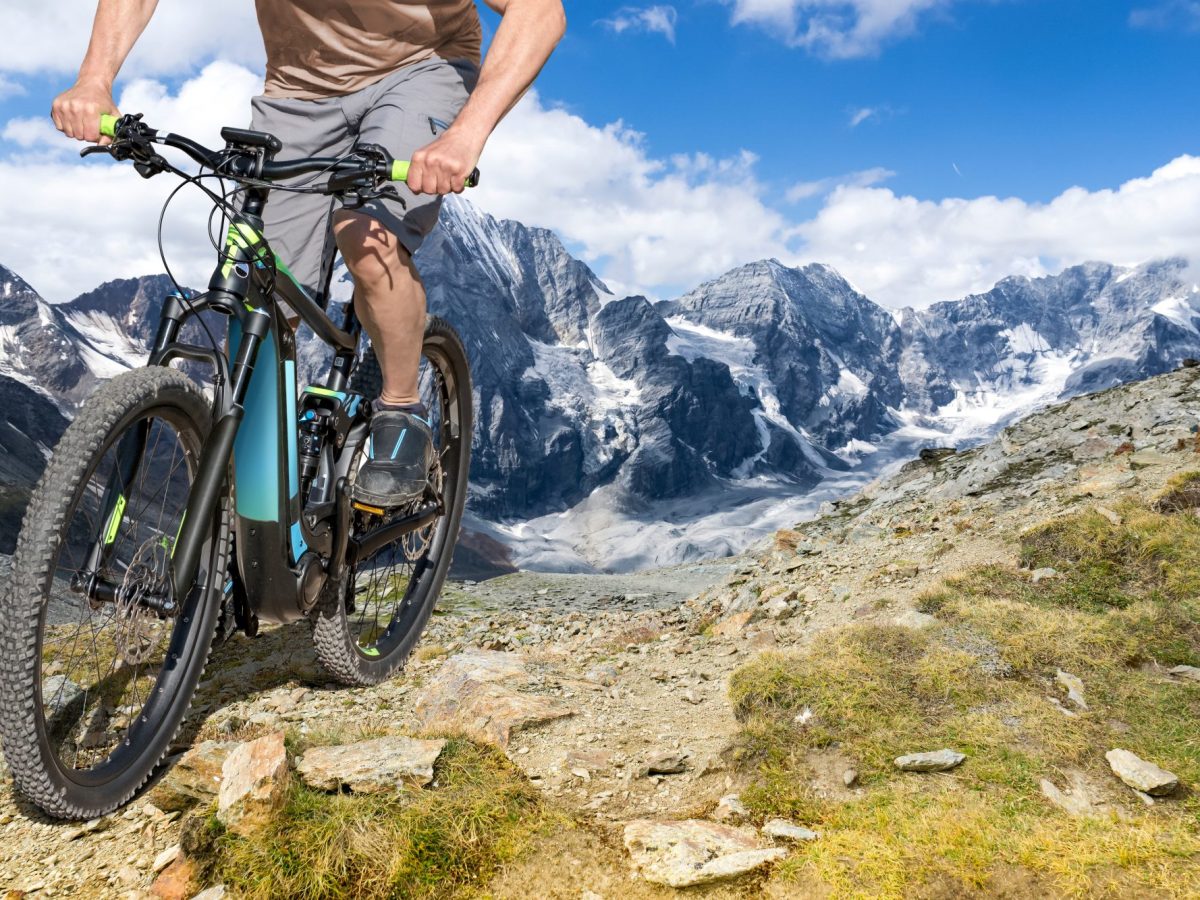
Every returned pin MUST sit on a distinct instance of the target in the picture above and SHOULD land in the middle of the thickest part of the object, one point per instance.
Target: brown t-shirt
(327, 48)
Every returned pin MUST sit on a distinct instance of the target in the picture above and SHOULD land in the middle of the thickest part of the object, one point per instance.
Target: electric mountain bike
(171, 511)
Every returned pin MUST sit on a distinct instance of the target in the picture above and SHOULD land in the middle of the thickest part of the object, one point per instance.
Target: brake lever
(96, 148)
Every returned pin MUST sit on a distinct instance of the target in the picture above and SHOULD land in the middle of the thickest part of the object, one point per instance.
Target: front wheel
(98, 656)
(367, 622)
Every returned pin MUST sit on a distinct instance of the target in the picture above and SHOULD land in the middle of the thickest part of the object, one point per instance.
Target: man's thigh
(404, 112)
(297, 225)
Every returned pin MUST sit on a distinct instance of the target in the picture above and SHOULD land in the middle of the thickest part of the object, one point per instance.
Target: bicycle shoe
(399, 454)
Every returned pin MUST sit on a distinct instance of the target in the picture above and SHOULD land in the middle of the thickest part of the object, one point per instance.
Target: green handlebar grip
(400, 173)
(108, 125)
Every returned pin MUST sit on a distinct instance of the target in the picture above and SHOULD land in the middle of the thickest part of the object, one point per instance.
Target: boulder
(670, 762)
(730, 809)
(935, 761)
(683, 854)
(370, 767)
(1191, 673)
(472, 695)
(177, 880)
(788, 831)
(1074, 686)
(254, 783)
(195, 778)
(1141, 775)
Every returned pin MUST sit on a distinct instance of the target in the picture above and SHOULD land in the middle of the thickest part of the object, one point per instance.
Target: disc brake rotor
(138, 628)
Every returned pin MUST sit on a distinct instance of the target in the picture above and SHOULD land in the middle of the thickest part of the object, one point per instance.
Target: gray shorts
(402, 112)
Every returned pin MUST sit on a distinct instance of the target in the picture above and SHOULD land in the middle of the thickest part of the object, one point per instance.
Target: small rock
(805, 717)
(177, 882)
(1141, 775)
(471, 694)
(733, 625)
(1112, 517)
(602, 675)
(216, 892)
(1043, 574)
(195, 777)
(1189, 672)
(849, 777)
(788, 831)
(1143, 459)
(370, 767)
(935, 761)
(730, 809)
(1074, 686)
(253, 783)
(1080, 425)
(777, 608)
(682, 854)
(1078, 799)
(165, 858)
(669, 763)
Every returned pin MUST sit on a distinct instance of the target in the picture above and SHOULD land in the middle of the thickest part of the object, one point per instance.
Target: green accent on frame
(324, 392)
(114, 520)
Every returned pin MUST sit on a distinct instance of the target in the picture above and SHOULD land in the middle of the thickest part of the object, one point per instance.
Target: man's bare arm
(529, 30)
(118, 25)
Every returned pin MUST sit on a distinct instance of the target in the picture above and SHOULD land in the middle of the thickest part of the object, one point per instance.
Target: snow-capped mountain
(615, 432)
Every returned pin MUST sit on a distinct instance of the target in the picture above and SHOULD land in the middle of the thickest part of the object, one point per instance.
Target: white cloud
(52, 36)
(903, 251)
(10, 88)
(650, 222)
(866, 178)
(654, 19)
(858, 116)
(647, 224)
(83, 222)
(839, 29)
(1183, 14)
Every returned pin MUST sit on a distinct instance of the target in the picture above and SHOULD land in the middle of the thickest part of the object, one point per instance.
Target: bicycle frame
(256, 426)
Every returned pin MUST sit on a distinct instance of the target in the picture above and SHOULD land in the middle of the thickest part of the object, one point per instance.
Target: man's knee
(372, 253)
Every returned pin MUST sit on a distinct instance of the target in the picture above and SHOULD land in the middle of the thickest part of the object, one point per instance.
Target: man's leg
(389, 300)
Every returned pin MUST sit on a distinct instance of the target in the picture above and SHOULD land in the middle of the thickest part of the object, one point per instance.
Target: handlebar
(131, 129)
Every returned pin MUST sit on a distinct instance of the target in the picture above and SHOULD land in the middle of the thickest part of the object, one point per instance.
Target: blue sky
(1027, 97)
(924, 147)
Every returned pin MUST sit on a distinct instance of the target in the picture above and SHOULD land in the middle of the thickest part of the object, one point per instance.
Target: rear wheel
(96, 681)
(367, 622)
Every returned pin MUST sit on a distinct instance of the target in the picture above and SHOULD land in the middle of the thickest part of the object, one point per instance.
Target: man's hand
(442, 167)
(76, 112)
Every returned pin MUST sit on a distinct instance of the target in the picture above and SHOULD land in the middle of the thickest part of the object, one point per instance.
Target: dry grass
(441, 842)
(980, 681)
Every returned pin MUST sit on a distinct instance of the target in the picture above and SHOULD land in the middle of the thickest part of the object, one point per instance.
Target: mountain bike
(170, 511)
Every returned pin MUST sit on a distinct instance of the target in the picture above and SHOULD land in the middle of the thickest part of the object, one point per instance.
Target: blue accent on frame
(298, 544)
(353, 407)
(289, 374)
(256, 449)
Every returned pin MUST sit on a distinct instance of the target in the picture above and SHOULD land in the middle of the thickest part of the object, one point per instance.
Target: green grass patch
(981, 681)
(444, 841)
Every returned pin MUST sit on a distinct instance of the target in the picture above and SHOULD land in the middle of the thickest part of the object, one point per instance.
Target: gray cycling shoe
(399, 454)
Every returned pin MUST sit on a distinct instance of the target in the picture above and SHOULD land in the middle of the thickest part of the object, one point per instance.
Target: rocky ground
(610, 692)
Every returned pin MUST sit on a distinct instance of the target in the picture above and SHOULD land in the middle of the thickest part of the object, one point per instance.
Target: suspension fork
(211, 477)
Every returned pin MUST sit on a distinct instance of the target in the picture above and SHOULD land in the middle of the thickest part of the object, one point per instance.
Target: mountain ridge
(763, 382)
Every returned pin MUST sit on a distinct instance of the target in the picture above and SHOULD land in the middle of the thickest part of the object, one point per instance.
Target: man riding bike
(401, 74)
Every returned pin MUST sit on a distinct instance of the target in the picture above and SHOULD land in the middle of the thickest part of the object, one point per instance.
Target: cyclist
(402, 74)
